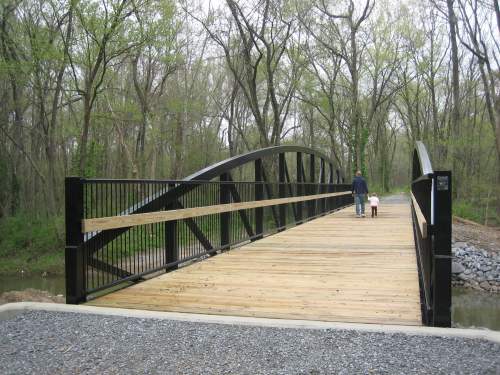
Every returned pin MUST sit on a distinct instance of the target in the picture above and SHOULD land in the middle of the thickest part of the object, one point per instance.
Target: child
(373, 203)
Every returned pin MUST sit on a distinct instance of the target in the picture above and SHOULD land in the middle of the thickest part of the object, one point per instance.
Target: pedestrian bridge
(297, 250)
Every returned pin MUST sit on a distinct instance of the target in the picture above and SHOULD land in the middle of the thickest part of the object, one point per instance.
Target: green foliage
(467, 210)
(31, 244)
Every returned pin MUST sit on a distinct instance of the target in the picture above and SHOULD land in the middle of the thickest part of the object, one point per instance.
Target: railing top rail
(190, 182)
(422, 165)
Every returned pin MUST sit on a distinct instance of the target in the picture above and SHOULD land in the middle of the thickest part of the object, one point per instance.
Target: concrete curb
(10, 310)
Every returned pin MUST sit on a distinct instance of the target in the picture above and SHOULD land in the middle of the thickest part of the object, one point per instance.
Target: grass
(31, 245)
(395, 190)
(474, 212)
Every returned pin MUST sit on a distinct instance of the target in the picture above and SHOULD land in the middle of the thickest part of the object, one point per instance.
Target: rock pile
(475, 268)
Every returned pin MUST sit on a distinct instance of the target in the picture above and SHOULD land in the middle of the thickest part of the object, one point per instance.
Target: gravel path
(41, 342)
(396, 198)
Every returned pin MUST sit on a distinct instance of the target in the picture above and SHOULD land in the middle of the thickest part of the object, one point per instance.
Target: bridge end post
(74, 251)
(442, 249)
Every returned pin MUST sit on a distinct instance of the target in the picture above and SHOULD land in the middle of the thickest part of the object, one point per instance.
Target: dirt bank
(480, 236)
(29, 295)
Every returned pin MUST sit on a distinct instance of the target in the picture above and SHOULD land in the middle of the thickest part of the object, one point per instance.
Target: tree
(100, 41)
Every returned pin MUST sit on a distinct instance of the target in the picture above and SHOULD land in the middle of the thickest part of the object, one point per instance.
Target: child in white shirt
(373, 204)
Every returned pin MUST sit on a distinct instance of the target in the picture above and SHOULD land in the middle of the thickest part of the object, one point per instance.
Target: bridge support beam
(311, 187)
(281, 191)
(299, 173)
(225, 217)
(259, 195)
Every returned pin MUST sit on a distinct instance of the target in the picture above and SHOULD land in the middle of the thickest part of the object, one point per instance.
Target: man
(359, 189)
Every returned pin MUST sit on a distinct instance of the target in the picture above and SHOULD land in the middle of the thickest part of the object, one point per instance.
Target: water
(53, 284)
(471, 308)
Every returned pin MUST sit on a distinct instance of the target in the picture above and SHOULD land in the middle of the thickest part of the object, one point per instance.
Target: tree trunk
(87, 109)
(178, 148)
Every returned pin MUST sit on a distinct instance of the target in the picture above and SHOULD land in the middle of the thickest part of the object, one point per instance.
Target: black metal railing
(431, 213)
(99, 256)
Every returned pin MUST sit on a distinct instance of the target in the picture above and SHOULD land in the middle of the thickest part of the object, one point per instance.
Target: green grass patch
(475, 212)
(395, 190)
(32, 245)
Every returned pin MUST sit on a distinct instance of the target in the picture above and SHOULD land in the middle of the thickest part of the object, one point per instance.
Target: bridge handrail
(431, 213)
(126, 221)
(161, 224)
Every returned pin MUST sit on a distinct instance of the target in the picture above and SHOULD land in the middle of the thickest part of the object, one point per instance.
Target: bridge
(252, 236)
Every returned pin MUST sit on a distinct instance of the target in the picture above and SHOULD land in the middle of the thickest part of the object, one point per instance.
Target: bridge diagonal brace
(108, 268)
(302, 172)
(237, 198)
(194, 228)
(290, 192)
(270, 196)
(321, 180)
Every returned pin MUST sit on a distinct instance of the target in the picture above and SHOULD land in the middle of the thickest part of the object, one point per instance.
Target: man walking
(359, 189)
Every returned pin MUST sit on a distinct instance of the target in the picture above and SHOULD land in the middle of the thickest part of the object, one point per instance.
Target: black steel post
(322, 202)
(339, 201)
(330, 187)
(441, 277)
(171, 240)
(300, 185)
(74, 250)
(259, 195)
(281, 191)
(312, 203)
(225, 217)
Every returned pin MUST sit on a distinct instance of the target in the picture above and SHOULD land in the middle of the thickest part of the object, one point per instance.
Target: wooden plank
(422, 223)
(114, 222)
(334, 268)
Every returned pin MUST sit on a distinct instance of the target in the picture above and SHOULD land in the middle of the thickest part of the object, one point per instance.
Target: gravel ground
(41, 342)
(395, 198)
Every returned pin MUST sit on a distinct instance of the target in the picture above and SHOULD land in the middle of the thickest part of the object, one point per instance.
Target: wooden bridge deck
(335, 268)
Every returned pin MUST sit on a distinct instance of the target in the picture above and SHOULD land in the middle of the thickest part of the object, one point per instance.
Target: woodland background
(162, 88)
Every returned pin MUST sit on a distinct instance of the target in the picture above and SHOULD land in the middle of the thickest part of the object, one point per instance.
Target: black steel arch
(422, 165)
(83, 255)
(170, 197)
(229, 164)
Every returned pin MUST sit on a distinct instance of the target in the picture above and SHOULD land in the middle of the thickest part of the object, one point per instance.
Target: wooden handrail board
(422, 223)
(115, 222)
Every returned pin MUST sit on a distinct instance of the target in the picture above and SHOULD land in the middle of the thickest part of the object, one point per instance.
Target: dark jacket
(359, 185)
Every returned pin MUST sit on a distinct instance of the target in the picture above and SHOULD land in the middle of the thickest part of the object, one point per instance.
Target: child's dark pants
(374, 211)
